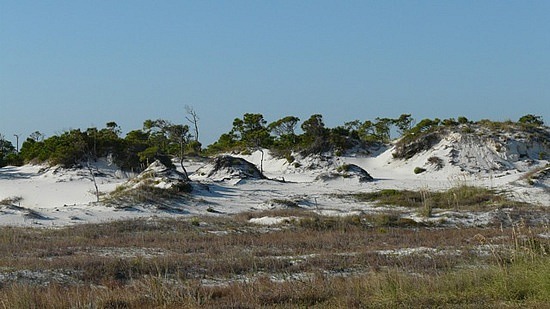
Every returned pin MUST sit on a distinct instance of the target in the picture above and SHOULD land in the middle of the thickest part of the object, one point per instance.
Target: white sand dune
(51, 196)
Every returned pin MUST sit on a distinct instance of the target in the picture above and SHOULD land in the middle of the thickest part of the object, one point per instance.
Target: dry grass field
(364, 261)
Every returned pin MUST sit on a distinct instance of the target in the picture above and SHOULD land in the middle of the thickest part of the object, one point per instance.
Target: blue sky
(78, 64)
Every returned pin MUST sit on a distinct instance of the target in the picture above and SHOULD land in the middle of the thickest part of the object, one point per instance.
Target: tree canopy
(159, 139)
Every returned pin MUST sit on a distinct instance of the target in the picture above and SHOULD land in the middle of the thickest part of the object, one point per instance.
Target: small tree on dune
(253, 133)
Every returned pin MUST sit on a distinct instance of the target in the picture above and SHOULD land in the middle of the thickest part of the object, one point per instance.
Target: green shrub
(419, 170)
(462, 120)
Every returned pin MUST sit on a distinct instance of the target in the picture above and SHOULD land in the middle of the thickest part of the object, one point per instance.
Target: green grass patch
(461, 197)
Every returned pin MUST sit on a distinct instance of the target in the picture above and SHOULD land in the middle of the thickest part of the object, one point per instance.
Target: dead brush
(522, 244)
(427, 203)
(535, 174)
(11, 201)
(526, 244)
(436, 162)
(335, 262)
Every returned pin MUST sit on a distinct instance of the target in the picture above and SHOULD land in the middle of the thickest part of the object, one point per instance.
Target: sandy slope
(56, 197)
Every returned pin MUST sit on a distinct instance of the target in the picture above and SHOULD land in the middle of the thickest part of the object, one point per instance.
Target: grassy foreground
(307, 261)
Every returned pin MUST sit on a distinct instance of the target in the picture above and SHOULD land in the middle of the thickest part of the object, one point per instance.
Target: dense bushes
(253, 132)
(8, 153)
(158, 139)
(280, 136)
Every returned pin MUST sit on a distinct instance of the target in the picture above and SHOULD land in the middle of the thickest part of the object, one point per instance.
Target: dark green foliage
(135, 142)
(424, 125)
(449, 122)
(341, 139)
(226, 142)
(281, 138)
(284, 127)
(194, 148)
(403, 123)
(285, 138)
(8, 154)
(159, 139)
(251, 131)
(13, 159)
(68, 149)
(419, 170)
(32, 149)
(238, 166)
(530, 119)
(463, 120)
(382, 129)
(497, 125)
(315, 135)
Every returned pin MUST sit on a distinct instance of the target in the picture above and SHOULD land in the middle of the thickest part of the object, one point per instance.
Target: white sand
(52, 197)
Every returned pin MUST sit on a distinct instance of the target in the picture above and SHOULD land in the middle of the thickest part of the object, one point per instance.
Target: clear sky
(77, 64)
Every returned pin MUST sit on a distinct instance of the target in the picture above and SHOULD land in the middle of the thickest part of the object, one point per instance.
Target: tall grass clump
(462, 197)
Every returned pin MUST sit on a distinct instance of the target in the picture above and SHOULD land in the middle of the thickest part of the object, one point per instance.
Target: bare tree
(193, 118)
(17, 142)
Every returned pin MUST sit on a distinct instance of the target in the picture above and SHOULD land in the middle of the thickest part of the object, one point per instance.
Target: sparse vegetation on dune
(315, 261)
(429, 132)
(537, 174)
(10, 201)
(156, 185)
(462, 197)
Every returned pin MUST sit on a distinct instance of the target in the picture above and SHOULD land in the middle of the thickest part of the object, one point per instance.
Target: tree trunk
(182, 144)
(93, 179)
(262, 161)
(184, 170)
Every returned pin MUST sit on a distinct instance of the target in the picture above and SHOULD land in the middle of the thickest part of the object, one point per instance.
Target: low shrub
(437, 162)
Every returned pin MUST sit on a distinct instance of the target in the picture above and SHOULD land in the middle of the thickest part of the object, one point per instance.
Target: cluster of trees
(8, 153)
(163, 140)
(158, 139)
(253, 132)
